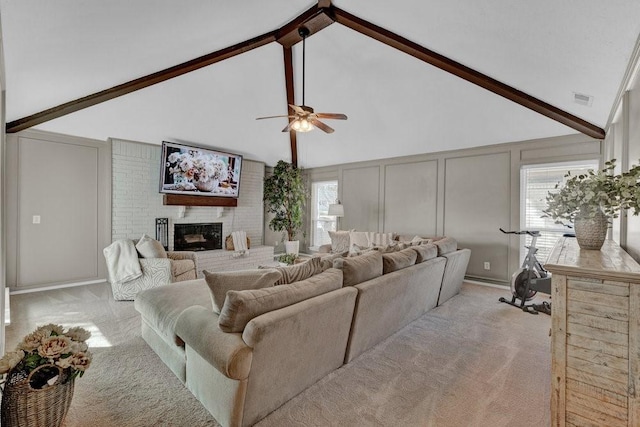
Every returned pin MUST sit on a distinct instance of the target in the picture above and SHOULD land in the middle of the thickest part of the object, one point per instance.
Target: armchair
(145, 266)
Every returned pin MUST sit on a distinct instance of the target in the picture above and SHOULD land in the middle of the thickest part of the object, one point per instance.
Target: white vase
(292, 247)
(207, 186)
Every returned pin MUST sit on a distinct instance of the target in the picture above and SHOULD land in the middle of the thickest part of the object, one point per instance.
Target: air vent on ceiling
(582, 99)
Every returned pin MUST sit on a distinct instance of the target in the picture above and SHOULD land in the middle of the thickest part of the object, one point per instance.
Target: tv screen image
(198, 171)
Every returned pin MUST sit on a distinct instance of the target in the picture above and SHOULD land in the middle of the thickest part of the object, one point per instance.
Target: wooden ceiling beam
(139, 83)
(314, 19)
(466, 73)
(288, 75)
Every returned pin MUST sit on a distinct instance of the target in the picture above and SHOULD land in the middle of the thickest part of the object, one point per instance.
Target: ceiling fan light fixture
(301, 125)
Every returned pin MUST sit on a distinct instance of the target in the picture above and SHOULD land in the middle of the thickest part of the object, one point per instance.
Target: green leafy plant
(587, 194)
(288, 259)
(285, 194)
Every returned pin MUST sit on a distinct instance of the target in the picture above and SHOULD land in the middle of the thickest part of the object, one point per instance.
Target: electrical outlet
(36, 219)
(487, 265)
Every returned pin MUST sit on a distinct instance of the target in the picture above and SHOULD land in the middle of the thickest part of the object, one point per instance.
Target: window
(536, 181)
(322, 195)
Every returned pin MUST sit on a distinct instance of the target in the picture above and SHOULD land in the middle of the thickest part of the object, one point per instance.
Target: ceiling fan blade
(337, 116)
(272, 117)
(317, 123)
(288, 127)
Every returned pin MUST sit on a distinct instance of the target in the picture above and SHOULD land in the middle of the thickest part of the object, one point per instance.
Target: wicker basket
(228, 243)
(23, 406)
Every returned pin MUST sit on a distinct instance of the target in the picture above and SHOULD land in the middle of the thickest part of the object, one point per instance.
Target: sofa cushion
(160, 307)
(220, 283)
(425, 252)
(339, 241)
(446, 245)
(150, 248)
(361, 268)
(298, 272)
(242, 306)
(398, 260)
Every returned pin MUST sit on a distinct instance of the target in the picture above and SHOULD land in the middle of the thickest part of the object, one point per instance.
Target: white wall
(137, 201)
(467, 194)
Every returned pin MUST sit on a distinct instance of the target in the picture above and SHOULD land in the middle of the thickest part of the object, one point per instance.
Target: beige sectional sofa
(266, 345)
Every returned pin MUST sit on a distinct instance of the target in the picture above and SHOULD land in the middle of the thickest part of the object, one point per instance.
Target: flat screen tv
(198, 171)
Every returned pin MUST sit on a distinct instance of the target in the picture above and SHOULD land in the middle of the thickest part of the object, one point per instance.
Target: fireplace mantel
(186, 200)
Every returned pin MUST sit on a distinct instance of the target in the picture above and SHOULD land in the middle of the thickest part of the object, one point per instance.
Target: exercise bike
(530, 279)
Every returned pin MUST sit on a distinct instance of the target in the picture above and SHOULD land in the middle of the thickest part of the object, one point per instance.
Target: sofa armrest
(325, 249)
(157, 268)
(227, 352)
(177, 255)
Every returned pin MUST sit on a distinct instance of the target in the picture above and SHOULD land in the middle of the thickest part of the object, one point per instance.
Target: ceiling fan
(304, 118)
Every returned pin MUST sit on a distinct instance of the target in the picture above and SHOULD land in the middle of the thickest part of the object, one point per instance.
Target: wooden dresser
(595, 343)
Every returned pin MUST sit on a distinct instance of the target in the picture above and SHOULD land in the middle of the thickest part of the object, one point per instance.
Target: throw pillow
(220, 283)
(150, 248)
(359, 238)
(301, 271)
(446, 245)
(360, 268)
(380, 239)
(398, 260)
(327, 260)
(425, 252)
(242, 306)
(339, 241)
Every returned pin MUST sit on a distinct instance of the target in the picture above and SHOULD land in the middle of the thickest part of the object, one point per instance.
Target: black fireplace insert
(197, 237)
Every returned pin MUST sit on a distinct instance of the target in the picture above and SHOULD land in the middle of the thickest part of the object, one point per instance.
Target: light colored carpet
(471, 362)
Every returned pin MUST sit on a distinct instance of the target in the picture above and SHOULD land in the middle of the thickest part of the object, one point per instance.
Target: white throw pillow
(359, 238)
(150, 248)
(380, 239)
(339, 241)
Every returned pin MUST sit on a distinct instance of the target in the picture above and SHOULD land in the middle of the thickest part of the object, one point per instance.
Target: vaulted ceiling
(59, 52)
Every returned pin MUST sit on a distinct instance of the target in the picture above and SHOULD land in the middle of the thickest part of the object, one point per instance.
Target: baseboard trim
(490, 285)
(52, 287)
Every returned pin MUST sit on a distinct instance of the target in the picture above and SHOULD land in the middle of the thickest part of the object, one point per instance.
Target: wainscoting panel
(361, 198)
(410, 198)
(477, 200)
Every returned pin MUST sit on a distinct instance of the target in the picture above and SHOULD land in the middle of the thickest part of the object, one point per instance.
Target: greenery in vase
(584, 195)
(288, 259)
(285, 194)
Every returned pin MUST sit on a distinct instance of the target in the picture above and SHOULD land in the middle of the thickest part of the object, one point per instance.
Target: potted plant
(285, 194)
(40, 375)
(589, 200)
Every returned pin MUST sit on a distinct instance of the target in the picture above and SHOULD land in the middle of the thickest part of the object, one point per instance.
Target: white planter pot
(292, 247)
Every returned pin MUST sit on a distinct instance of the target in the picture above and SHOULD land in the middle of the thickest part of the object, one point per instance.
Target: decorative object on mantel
(589, 200)
(285, 194)
(40, 376)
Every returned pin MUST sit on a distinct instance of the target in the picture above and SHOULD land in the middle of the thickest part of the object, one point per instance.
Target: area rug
(471, 362)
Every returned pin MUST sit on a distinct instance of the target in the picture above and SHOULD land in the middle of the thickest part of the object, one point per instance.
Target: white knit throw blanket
(122, 261)
(240, 241)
